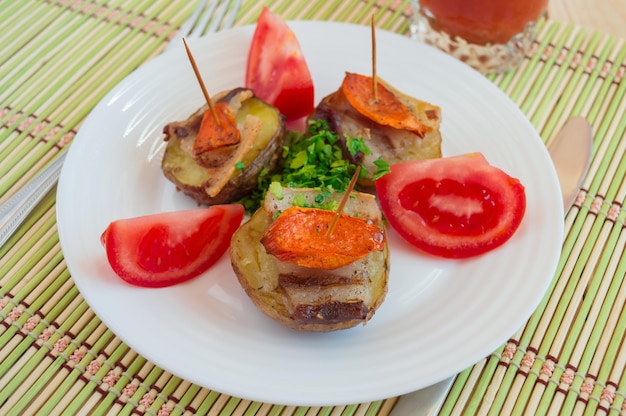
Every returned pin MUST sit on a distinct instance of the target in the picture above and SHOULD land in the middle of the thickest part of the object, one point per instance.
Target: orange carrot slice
(213, 135)
(387, 110)
(299, 236)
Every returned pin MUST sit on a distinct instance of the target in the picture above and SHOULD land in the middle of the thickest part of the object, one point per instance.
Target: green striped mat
(60, 57)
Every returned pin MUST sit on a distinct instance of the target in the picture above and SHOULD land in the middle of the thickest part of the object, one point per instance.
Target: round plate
(440, 316)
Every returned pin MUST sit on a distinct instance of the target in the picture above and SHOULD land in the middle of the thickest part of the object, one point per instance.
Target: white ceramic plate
(440, 316)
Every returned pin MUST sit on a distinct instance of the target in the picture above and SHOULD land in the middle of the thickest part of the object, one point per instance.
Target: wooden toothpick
(344, 200)
(374, 78)
(201, 82)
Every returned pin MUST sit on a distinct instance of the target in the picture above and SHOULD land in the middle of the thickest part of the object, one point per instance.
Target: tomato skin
(455, 207)
(276, 69)
(165, 249)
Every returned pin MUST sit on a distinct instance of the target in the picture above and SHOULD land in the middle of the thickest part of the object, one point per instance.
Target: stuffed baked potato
(309, 299)
(394, 145)
(231, 173)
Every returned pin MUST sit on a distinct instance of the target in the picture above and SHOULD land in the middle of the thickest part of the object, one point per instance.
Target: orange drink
(491, 35)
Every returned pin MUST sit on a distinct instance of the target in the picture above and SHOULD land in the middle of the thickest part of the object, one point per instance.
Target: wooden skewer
(374, 78)
(201, 82)
(344, 200)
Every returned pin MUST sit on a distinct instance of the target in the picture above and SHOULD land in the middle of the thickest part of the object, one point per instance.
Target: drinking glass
(489, 35)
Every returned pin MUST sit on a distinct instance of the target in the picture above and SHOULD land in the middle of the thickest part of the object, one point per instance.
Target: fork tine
(227, 22)
(189, 24)
(198, 29)
(230, 20)
(207, 21)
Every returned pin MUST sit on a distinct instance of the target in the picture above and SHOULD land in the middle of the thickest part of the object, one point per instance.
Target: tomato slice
(300, 236)
(214, 135)
(276, 69)
(453, 207)
(164, 249)
(387, 110)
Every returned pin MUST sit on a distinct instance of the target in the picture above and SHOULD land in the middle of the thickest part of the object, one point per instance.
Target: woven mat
(59, 57)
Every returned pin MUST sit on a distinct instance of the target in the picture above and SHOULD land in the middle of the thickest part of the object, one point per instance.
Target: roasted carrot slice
(213, 135)
(299, 236)
(387, 110)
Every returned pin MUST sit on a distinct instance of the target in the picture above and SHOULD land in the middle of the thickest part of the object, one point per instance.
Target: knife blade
(571, 155)
(570, 152)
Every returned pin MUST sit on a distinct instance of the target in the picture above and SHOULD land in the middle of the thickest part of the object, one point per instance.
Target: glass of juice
(490, 35)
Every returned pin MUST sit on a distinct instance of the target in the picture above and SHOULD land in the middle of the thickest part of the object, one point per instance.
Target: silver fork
(219, 15)
(205, 20)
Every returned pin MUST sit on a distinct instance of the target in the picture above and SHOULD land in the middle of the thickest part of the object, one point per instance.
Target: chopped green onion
(312, 160)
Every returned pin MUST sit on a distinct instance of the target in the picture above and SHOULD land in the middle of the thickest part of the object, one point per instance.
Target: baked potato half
(388, 143)
(308, 299)
(231, 174)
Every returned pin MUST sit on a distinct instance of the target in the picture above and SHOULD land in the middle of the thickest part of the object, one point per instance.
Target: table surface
(57, 357)
(606, 15)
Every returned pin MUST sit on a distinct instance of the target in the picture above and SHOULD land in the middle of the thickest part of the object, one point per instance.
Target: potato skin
(257, 272)
(181, 168)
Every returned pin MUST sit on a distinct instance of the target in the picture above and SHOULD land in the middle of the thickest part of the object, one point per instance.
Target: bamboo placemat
(60, 57)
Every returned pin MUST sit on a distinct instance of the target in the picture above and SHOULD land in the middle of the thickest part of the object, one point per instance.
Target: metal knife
(571, 154)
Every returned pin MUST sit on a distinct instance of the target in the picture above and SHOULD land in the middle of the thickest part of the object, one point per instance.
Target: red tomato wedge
(164, 249)
(455, 207)
(276, 69)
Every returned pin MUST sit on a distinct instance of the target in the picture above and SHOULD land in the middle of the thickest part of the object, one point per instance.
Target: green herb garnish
(312, 160)
(382, 168)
